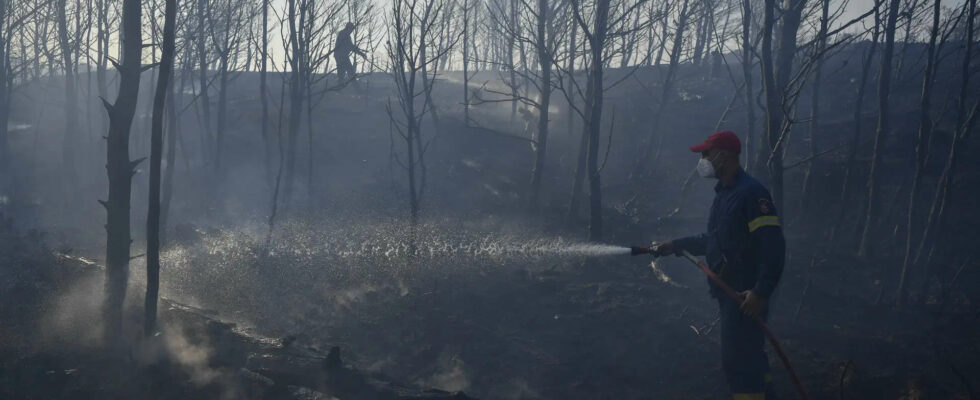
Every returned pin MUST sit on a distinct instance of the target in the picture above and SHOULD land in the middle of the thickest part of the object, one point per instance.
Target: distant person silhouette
(342, 50)
(716, 64)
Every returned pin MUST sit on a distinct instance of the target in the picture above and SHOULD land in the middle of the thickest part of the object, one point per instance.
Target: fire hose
(731, 293)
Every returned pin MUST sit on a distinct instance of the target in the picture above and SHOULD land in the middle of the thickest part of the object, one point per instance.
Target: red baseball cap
(725, 140)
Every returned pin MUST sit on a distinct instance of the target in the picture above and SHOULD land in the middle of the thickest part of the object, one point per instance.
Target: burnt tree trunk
(410, 29)
(747, 56)
(776, 76)
(965, 121)
(69, 140)
(922, 139)
(575, 202)
(884, 90)
(264, 90)
(701, 33)
(120, 170)
(578, 188)
(156, 156)
(203, 11)
(4, 103)
(466, 63)
(511, 41)
(173, 130)
(643, 163)
(427, 82)
(663, 34)
(858, 117)
(224, 54)
(593, 115)
(544, 63)
(813, 126)
(771, 91)
(102, 47)
(295, 98)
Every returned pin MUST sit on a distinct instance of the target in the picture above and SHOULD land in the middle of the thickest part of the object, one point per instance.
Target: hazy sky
(853, 9)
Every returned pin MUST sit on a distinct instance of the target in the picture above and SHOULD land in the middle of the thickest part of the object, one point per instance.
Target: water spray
(731, 293)
(343, 256)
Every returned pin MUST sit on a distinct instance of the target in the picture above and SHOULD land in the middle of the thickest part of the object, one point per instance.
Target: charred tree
(466, 62)
(858, 116)
(922, 140)
(770, 90)
(664, 33)
(883, 129)
(296, 16)
(966, 119)
(428, 74)
(539, 35)
(748, 51)
(173, 130)
(203, 25)
(69, 140)
(120, 170)
(543, 46)
(225, 37)
(156, 156)
(264, 89)
(412, 25)
(509, 49)
(651, 147)
(595, 37)
(4, 101)
(703, 32)
(102, 45)
(776, 74)
(813, 126)
(223, 48)
(593, 106)
(575, 203)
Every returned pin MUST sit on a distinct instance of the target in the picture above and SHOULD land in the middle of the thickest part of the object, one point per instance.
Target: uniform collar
(720, 186)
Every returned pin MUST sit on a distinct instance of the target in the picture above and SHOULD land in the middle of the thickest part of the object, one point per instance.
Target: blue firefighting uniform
(744, 245)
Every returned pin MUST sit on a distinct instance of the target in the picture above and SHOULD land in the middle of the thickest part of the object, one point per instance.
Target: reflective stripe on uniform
(749, 396)
(765, 220)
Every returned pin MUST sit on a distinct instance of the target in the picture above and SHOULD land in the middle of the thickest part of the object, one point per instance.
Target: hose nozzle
(639, 250)
(651, 249)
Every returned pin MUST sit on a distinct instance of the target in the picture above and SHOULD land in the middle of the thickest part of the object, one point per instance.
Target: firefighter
(744, 245)
(342, 50)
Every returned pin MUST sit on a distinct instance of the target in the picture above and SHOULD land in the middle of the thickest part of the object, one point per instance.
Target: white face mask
(705, 168)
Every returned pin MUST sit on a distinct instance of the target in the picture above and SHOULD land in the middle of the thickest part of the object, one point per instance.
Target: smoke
(72, 319)
(346, 298)
(190, 352)
(518, 389)
(194, 358)
(450, 375)
(74, 316)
